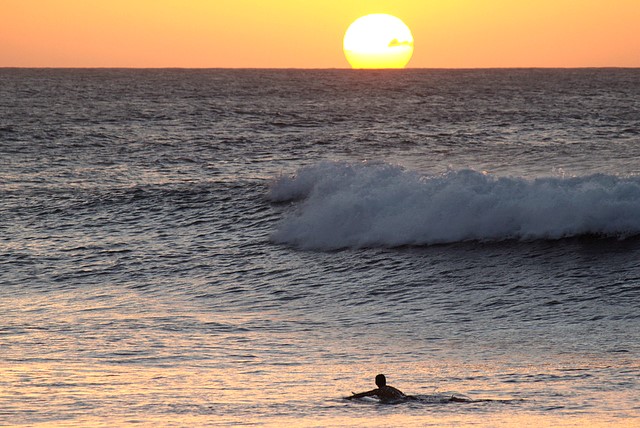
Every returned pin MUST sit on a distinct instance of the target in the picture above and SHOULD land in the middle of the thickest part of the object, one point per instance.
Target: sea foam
(342, 205)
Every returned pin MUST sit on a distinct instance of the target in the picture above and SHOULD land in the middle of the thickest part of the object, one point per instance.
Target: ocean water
(248, 247)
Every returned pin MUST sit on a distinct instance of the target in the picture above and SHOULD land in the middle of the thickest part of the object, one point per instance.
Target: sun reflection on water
(113, 358)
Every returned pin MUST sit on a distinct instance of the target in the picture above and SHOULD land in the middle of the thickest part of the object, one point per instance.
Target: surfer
(384, 392)
(389, 394)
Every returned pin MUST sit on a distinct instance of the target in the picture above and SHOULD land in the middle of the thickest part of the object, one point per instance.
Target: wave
(343, 205)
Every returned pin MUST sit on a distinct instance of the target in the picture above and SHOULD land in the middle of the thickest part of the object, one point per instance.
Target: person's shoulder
(391, 391)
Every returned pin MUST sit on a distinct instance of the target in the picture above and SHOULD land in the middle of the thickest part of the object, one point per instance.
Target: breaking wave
(341, 205)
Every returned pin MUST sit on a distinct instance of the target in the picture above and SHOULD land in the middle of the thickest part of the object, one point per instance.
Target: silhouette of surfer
(388, 394)
(384, 392)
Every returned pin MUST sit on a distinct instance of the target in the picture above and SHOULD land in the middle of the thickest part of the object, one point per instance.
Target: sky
(309, 33)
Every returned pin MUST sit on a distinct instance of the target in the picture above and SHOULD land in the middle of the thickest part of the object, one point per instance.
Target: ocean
(248, 247)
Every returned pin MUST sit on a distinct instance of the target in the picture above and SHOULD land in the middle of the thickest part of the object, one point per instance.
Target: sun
(378, 41)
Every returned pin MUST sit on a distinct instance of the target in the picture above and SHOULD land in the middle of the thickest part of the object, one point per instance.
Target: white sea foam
(377, 204)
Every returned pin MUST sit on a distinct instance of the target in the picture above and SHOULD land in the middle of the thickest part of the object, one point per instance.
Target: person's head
(381, 380)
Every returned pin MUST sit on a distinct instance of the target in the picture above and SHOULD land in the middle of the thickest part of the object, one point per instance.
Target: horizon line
(607, 67)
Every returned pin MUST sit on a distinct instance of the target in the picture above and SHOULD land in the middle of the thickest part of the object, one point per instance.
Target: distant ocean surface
(248, 247)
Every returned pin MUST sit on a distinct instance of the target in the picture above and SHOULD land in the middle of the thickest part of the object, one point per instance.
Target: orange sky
(308, 33)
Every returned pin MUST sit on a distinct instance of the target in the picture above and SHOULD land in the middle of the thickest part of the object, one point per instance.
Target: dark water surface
(238, 247)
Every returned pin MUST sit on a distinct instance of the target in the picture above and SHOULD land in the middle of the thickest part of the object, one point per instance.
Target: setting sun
(378, 41)
(310, 34)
